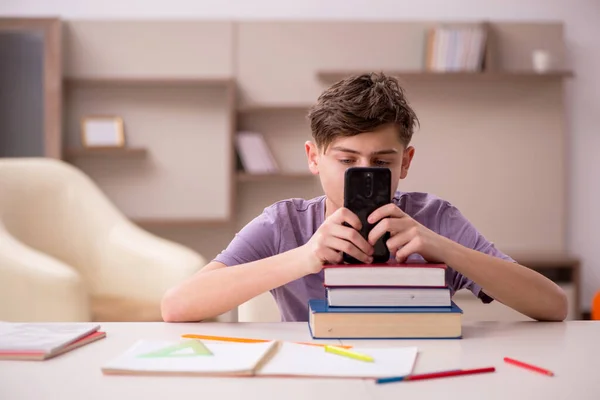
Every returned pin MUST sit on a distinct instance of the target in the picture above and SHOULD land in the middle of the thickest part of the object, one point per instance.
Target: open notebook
(257, 359)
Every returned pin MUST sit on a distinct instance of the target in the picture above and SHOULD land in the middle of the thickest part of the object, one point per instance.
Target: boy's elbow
(559, 308)
(563, 305)
(171, 308)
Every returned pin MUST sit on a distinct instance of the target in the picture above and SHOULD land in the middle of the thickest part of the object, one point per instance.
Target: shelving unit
(150, 81)
(282, 176)
(180, 223)
(133, 152)
(333, 76)
(176, 102)
(264, 75)
(253, 108)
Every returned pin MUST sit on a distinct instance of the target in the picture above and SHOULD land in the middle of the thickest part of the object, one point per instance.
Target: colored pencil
(434, 375)
(246, 340)
(347, 353)
(528, 366)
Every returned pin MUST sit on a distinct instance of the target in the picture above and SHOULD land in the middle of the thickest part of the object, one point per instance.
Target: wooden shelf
(107, 152)
(273, 107)
(282, 176)
(158, 81)
(178, 222)
(332, 76)
(548, 261)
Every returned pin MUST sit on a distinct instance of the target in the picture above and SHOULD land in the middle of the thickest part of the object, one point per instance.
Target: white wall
(583, 92)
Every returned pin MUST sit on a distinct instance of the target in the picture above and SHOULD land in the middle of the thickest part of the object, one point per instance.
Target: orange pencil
(528, 366)
(246, 340)
(224, 338)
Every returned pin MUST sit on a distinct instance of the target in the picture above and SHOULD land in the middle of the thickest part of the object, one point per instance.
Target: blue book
(327, 322)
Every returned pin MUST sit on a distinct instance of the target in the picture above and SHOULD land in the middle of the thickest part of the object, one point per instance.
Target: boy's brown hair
(359, 104)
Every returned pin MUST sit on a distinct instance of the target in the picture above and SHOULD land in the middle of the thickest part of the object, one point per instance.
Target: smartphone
(365, 190)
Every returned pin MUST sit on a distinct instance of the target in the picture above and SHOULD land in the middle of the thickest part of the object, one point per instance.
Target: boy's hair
(361, 104)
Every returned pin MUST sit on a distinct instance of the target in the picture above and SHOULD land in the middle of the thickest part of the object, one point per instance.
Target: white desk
(571, 350)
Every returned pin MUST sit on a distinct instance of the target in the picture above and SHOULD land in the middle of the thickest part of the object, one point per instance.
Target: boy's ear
(312, 155)
(407, 157)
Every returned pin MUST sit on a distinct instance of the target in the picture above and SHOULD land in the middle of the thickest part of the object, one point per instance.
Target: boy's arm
(218, 288)
(517, 286)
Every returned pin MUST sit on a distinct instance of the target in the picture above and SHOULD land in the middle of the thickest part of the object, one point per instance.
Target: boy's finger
(352, 236)
(407, 250)
(344, 215)
(387, 225)
(348, 248)
(330, 256)
(389, 210)
(399, 240)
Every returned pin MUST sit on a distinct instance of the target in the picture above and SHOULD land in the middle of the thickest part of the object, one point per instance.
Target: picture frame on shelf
(102, 131)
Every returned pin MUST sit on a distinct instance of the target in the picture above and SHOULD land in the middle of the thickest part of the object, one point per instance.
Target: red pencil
(528, 366)
(441, 374)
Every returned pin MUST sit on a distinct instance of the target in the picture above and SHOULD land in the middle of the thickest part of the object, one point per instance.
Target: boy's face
(380, 148)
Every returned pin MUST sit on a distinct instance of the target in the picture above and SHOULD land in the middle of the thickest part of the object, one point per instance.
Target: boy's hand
(407, 236)
(333, 238)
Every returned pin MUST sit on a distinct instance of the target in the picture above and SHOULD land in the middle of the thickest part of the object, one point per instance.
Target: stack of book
(385, 301)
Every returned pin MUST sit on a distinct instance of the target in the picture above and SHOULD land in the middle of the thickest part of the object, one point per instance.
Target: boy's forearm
(211, 293)
(512, 284)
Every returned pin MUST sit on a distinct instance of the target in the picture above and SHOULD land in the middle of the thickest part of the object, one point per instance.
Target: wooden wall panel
(155, 49)
(186, 174)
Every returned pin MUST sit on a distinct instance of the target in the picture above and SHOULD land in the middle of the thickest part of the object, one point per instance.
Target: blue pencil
(433, 375)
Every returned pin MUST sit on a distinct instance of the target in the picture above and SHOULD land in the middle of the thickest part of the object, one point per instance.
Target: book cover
(387, 274)
(320, 306)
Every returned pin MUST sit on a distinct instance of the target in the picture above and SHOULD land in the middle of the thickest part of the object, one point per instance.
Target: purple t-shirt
(290, 223)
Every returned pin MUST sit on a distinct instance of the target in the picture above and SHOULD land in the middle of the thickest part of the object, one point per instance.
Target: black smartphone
(365, 190)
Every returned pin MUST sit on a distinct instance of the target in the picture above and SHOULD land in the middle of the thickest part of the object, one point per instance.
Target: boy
(360, 121)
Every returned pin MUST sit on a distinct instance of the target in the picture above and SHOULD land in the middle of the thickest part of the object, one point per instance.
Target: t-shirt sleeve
(257, 240)
(459, 229)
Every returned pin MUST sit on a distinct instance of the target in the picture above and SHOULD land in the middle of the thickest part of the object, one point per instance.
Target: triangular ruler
(188, 348)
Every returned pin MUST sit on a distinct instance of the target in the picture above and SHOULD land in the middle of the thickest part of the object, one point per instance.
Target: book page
(300, 360)
(42, 336)
(185, 356)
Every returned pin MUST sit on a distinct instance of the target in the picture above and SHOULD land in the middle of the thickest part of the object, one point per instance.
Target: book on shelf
(383, 322)
(455, 49)
(388, 297)
(43, 340)
(384, 275)
(254, 153)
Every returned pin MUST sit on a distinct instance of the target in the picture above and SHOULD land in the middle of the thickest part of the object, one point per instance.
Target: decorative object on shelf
(102, 132)
(541, 61)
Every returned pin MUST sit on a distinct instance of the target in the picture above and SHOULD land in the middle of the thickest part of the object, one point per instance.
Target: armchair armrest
(35, 287)
(134, 269)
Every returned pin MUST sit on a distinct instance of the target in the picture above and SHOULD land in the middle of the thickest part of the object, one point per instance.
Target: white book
(148, 357)
(254, 153)
(388, 297)
(477, 49)
(439, 50)
(43, 336)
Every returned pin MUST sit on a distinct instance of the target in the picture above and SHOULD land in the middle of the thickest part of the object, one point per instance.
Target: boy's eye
(381, 163)
(346, 161)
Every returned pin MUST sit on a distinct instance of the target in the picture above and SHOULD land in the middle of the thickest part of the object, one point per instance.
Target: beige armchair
(68, 254)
